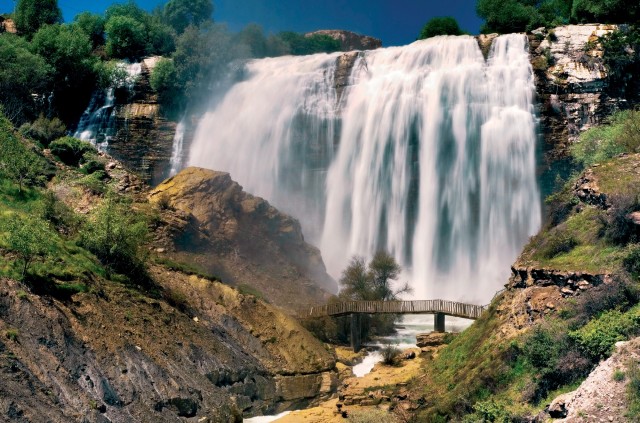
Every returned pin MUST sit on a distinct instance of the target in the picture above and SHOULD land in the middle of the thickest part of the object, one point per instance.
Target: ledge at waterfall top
(428, 153)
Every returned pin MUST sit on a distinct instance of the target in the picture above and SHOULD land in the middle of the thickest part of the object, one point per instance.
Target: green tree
(28, 238)
(163, 81)
(126, 38)
(253, 37)
(68, 52)
(182, 13)
(17, 162)
(445, 25)
(606, 11)
(22, 74)
(506, 16)
(92, 25)
(32, 14)
(115, 236)
(44, 130)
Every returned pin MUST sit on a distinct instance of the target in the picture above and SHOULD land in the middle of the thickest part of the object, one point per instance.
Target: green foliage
(22, 74)
(253, 37)
(446, 25)
(93, 26)
(555, 242)
(70, 150)
(12, 334)
(44, 130)
(180, 14)
(372, 282)
(618, 375)
(598, 337)
(621, 58)
(389, 354)
(164, 81)
(59, 214)
(17, 162)
(606, 11)
(633, 391)
(68, 52)
(631, 261)
(31, 15)
(115, 236)
(28, 239)
(299, 44)
(488, 411)
(126, 38)
(201, 60)
(506, 16)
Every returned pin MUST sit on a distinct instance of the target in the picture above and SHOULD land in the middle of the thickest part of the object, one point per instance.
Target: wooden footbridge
(439, 308)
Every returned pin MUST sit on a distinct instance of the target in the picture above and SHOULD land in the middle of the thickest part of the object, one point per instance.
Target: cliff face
(572, 82)
(240, 238)
(144, 136)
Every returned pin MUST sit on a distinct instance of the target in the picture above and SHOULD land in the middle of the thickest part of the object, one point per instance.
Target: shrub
(446, 25)
(598, 336)
(489, 411)
(44, 130)
(389, 354)
(633, 390)
(70, 150)
(115, 236)
(58, 214)
(12, 334)
(618, 375)
(28, 238)
(631, 261)
(557, 241)
(92, 165)
(618, 226)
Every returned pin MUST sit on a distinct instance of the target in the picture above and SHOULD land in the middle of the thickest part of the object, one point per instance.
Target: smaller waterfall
(97, 124)
(176, 150)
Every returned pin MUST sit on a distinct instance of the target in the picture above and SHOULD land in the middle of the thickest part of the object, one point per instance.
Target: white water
(430, 156)
(265, 419)
(176, 150)
(97, 123)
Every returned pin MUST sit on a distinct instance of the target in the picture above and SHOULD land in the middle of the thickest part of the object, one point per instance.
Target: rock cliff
(350, 40)
(240, 238)
(572, 82)
(144, 135)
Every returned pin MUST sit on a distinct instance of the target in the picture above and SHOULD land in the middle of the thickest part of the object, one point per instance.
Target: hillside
(86, 331)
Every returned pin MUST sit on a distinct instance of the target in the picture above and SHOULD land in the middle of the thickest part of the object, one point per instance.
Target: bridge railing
(451, 308)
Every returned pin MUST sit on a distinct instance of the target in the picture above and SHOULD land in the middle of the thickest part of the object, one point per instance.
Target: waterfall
(97, 123)
(175, 163)
(429, 155)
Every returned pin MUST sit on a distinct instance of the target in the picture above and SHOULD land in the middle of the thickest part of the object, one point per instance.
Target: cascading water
(430, 155)
(175, 162)
(97, 123)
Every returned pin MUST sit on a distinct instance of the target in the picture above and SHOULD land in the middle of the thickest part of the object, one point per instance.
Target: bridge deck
(449, 308)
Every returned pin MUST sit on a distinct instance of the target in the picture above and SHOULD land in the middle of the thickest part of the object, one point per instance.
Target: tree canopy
(445, 25)
(179, 14)
(32, 14)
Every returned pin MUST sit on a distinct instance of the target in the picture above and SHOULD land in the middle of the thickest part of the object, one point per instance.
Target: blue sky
(396, 22)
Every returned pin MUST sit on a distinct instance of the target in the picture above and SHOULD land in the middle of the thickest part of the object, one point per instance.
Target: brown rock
(558, 408)
(432, 339)
(243, 239)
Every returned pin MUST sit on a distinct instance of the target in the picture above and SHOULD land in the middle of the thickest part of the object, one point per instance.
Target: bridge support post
(438, 322)
(356, 333)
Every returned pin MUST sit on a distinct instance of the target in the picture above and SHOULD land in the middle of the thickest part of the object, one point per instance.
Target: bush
(70, 150)
(28, 238)
(389, 354)
(598, 337)
(631, 261)
(115, 236)
(440, 26)
(557, 241)
(59, 214)
(618, 227)
(44, 130)
(92, 165)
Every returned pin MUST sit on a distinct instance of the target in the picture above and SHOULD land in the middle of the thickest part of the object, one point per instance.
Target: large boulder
(242, 239)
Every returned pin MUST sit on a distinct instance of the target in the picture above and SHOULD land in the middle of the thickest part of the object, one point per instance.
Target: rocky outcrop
(344, 66)
(203, 352)
(240, 238)
(143, 135)
(349, 40)
(571, 82)
(586, 190)
(602, 396)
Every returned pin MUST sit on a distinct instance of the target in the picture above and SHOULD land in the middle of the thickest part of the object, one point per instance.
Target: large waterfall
(429, 154)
